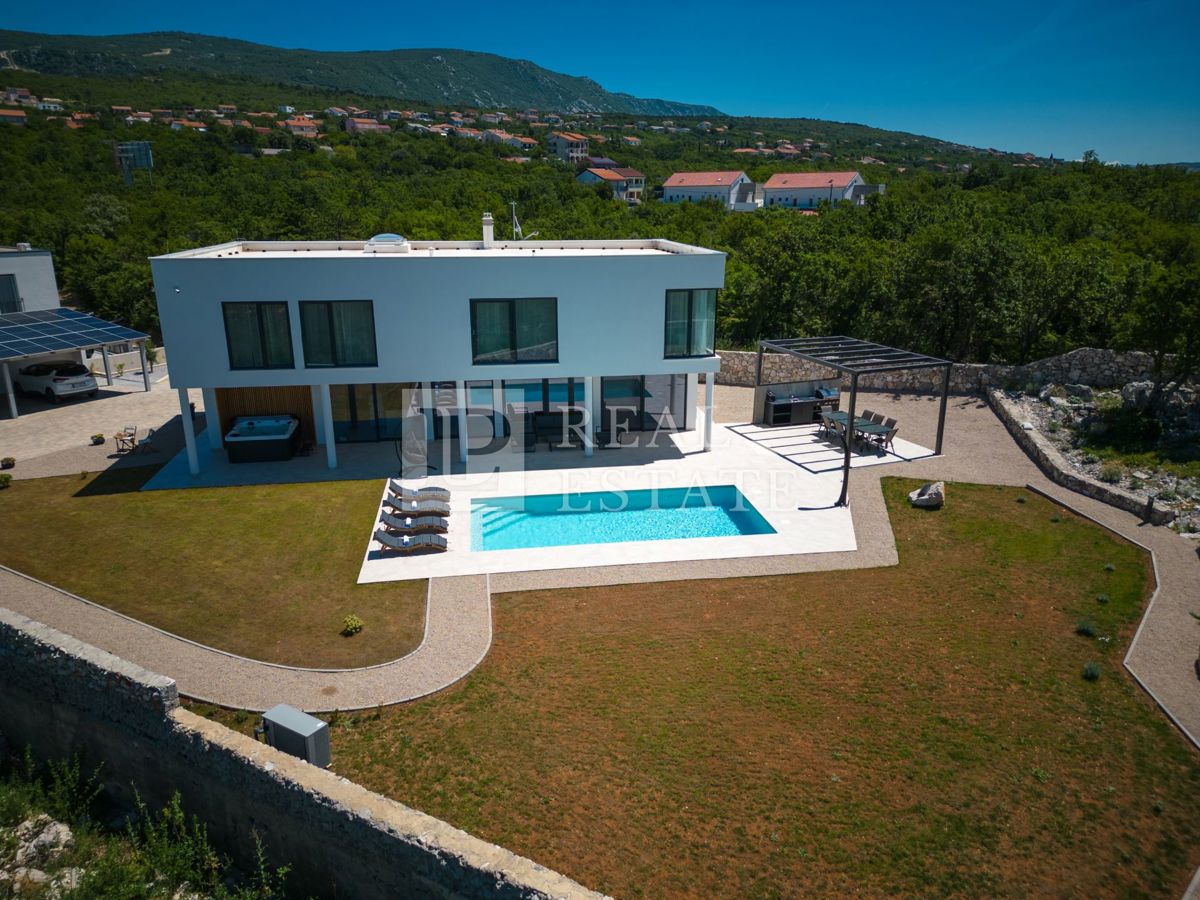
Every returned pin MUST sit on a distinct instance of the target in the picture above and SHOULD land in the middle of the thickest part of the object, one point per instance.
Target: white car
(55, 379)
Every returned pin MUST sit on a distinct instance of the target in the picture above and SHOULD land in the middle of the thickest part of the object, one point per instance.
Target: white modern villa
(360, 341)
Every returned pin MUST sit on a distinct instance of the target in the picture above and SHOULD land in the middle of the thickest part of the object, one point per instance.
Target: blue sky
(1061, 78)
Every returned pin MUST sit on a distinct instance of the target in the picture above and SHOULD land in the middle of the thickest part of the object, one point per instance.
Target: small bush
(352, 625)
(1136, 484)
(1020, 498)
(1102, 599)
(1056, 518)
(5, 480)
(1085, 628)
(1041, 775)
(1110, 473)
(7, 462)
(1091, 671)
(241, 716)
(1167, 495)
(1090, 458)
(1052, 426)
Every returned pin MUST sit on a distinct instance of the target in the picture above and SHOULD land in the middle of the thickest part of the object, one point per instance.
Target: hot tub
(262, 438)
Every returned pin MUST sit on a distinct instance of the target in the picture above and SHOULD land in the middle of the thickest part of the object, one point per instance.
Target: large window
(10, 300)
(508, 331)
(691, 323)
(338, 333)
(259, 335)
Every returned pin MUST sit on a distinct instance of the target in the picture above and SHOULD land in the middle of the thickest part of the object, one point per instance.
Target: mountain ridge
(426, 75)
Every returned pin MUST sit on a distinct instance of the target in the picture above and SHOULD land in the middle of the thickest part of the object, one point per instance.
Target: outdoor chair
(418, 507)
(877, 418)
(867, 414)
(824, 426)
(126, 438)
(426, 493)
(410, 526)
(146, 444)
(403, 544)
(885, 441)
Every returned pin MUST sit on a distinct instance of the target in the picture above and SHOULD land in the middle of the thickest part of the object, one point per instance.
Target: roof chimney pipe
(489, 231)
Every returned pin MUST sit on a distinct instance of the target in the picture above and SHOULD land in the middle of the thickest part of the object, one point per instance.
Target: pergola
(855, 357)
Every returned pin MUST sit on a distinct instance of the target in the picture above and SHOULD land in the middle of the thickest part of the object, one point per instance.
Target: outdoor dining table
(861, 426)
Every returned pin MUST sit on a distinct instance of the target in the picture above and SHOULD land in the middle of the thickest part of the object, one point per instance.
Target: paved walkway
(458, 634)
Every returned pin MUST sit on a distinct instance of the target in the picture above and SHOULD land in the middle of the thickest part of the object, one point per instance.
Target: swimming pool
(605, 517)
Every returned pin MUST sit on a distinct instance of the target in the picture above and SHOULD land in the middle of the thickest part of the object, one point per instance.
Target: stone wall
(1096, 368)
(1058, 470)
(61, 696)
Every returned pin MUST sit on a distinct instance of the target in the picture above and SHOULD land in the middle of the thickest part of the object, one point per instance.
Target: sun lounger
(426, 493)
(409, 525)
(417, 507)
(403, 544)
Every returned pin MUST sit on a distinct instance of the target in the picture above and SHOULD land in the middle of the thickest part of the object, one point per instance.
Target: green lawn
(266, 572)
(918, 729)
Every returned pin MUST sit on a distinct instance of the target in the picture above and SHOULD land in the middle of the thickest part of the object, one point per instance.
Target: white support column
(108, 368)
(8, 391)
(189, 431)
(497, 408)
(318, 415)
(460, 401)
(145, 365)
(427, 405)
(327, 427)
(690, 395)
(212, 419)
(709, 381)
(589, 421)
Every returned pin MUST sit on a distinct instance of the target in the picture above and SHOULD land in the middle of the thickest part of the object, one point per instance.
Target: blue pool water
(556, 520)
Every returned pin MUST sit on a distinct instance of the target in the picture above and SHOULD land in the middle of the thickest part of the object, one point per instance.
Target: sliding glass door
(371, 412)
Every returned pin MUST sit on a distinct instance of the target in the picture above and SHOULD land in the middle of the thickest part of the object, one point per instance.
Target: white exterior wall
(807, 198)
(34, 270)
(611, 312)
(723, 193)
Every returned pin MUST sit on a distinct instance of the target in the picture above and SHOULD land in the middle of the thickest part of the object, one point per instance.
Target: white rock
(929, 496)
(47, 843)
(1027, 425)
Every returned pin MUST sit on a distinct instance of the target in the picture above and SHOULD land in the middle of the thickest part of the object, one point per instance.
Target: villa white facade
(359, 339)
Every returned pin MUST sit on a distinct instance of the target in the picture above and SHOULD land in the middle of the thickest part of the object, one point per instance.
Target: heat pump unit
(292, 731)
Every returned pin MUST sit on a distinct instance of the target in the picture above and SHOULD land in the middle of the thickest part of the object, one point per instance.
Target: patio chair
(403, 544)
(885, 441)
(126, 438)
(867, 414)
(877, 418)
(426, 493)
(146, 444)
(417, 507)
(410, 526)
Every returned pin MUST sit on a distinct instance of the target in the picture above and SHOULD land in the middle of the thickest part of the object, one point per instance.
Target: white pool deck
(795, 500)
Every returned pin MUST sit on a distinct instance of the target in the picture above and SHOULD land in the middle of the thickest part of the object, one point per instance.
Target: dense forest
(1002, 263)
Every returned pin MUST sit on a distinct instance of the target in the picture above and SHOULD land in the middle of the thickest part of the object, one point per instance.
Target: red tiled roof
(606, 174)
(798, 180)
(13, 113)
(571, 136)
(628, 173)
(702, 179)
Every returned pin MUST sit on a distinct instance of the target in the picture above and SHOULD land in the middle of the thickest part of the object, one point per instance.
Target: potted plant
(97, 439)
(7, 462)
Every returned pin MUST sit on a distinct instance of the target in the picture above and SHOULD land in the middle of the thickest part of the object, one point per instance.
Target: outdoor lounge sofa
(426, 493)
(417, 507)
(420, 543)
(409, 525)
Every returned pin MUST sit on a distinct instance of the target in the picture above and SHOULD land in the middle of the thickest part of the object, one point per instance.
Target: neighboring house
(568, 146)
(631, 141)
(860, 192)
(496, 136)
(731, 189)
(626, 184)
(601, 162)
(336, 112)
(488, 328)
(360, 125)
(121, 111)
(27, 280)
(493, 118)
(806, 190)
(286, 110)
(50, 104)
(522, 143)
(19, 95)
(226, 109)
(470, 134)
(191, 124)
(302, 127)
(12, 116)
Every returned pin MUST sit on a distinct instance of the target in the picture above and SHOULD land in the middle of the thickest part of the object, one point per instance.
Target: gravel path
(458, 634)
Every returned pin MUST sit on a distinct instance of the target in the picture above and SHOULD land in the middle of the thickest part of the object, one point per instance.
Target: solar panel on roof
(49, 330)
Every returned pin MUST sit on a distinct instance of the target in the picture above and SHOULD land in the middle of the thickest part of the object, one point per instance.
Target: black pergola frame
(854, 357)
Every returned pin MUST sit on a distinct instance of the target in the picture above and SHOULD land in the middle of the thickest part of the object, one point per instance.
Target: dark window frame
(691, 322)
(333, 343)
(262, 340)
(18, 300)
(512, 332)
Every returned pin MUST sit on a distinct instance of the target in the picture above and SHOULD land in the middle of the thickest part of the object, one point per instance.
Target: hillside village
(591, 142)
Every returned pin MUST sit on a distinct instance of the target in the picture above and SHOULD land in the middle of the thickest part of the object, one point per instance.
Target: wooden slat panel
(268, 401)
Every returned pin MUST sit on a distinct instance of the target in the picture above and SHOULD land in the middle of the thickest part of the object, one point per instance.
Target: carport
(27, 335)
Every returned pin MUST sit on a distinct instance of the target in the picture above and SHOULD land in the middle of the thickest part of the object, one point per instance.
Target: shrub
(352, 625)
(1091, 671)
(1110, 473)
(1167, 495)
(5, 480)
(1090, 458)
(1085, 628)
(1020, 498)
(1052, 426)
(1102, 599)
(1136, 484)
(1041, 775)
(8, 462)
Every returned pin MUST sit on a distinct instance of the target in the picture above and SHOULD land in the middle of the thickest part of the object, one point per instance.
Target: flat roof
(51, 330)
(439, 249)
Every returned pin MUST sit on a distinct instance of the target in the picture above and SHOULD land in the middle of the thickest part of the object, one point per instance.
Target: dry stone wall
(1095, 368)
(61, 696)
